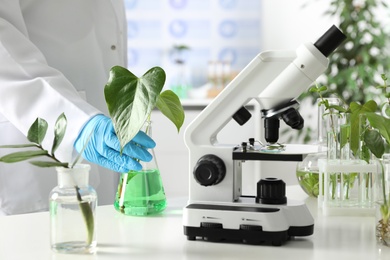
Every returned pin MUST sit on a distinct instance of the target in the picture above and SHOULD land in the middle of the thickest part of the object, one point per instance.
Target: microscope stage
(291, 152)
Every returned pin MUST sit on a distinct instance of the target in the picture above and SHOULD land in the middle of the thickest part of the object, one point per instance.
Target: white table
(24, 237)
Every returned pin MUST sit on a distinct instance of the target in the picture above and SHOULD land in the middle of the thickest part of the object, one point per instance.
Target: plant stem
(51, 156)
(383, 183)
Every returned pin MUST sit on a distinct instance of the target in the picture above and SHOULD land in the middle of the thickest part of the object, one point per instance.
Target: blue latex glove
(103, 147)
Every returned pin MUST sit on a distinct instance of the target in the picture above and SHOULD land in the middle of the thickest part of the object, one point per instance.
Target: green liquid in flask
(140, 193)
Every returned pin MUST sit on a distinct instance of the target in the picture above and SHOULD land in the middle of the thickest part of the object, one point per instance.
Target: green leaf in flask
(169, 104)
(130, 99)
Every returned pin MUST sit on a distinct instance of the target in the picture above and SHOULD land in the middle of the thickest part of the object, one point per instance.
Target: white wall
(287, 24)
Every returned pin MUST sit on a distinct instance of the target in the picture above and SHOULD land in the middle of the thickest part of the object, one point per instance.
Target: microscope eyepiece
(330, 40)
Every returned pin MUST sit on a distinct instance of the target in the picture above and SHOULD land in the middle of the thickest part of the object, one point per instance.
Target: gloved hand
(103, 146)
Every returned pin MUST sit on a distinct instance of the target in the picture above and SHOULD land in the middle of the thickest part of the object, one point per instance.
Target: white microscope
(216, 211)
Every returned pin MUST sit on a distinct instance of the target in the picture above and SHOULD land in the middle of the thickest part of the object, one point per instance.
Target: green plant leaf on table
(130, 99)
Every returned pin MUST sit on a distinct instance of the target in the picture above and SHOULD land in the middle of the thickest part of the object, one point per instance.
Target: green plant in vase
(331, 115)
(376, 137)
(370, 132)
(130, 101)
(36, 134)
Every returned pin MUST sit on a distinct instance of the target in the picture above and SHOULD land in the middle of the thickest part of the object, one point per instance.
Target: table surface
(161, 237)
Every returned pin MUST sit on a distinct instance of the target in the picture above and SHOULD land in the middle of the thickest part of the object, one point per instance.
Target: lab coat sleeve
(30, 88)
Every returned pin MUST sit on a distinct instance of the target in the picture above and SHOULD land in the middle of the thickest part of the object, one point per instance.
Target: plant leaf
(130, 100)
(87, 215)
(22, 156)
(49, 164)
(18, 146)
(169, 104)
(59, 132)
(345, 135)
(374, 142)
(356, 111)
(37, 131)
(381, 124)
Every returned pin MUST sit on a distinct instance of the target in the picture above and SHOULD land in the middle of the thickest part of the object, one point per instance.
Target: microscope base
(250, 224)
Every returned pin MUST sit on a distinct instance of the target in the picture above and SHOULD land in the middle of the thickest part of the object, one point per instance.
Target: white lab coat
(51, 51)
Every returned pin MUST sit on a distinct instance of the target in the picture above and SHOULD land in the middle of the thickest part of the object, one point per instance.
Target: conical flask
(141, 193)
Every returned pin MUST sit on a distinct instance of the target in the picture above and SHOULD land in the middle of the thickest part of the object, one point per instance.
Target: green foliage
(381, 123)
(169, 104)
(130, 101)
(59, 132)
(86, 210)
(36, 134)
(355, 66)
(320, 90)
(363, 56)
(373, 140)
(37, 131)
(356, 111)
(309, 182)
(22, 156)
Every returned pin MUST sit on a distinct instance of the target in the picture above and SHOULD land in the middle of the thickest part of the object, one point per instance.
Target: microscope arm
(270, 78)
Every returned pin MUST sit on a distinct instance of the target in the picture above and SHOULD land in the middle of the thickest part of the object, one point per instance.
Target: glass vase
(382, 199)
(141, 193)
(365, 179)
(72, 211)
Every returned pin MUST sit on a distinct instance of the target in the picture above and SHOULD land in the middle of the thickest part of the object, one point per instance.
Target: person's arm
(30, 88)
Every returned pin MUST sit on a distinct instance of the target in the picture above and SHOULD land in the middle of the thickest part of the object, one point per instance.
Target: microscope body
(216, 210)
(261, 80)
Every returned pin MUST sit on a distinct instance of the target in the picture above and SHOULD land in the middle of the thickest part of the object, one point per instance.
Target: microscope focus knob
(271, 191)
(209, 170)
